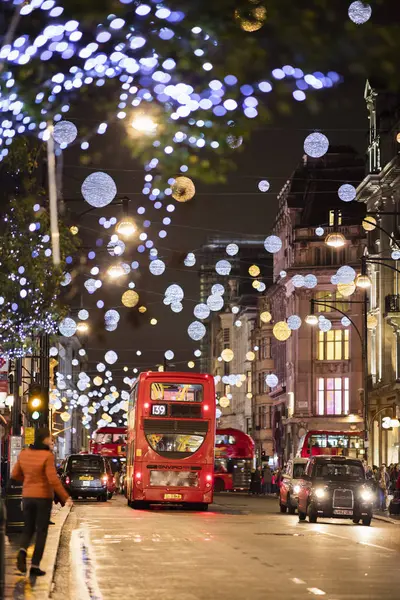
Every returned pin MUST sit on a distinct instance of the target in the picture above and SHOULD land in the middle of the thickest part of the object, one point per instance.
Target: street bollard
(3, 518)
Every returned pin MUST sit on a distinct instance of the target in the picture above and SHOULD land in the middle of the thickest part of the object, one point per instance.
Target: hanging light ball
(345, 321)
(234, 141)
(298, 281)
(112, 316)
(126, 227)
(232, 249)
(265, 316)
(346, 289)
(215, 302)
(263, 185)
(196, 331)
(191, 364)
(369, 223)
(372, 321)
(201, 311)
(67, 279)
(271, 380)
(190, 260)
(224, 402)
(395, 255)
(74, 230)
(310, 281)
(99, 189)
(183, 189)
(347, 192)
(83, 314)
(97, 381)
(111, 357)
(281, 331)
(157, 267)
(272, 244)
(169, 355)
(116, 248)
(359, 12)
(256, 284)
(174, 293)
(64, 132)
(319, 231)
(176, 307)
(262, 287)
(65, 416)
(227, 355)
(325, 324)
(250, 355)
(67, 327)
(130, 298)
(346, 274)
(217, 289)
(316, 145)
(223, 267)
(294, 322)
(142, 309)
(254, 270)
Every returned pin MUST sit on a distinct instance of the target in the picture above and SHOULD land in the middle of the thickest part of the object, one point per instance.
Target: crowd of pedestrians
(386, 483)
(265, 480)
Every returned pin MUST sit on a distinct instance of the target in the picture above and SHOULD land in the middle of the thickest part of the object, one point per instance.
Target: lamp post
(312, 319)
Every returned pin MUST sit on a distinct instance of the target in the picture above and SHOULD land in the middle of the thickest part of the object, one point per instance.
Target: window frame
(330, 396)
(333, 345)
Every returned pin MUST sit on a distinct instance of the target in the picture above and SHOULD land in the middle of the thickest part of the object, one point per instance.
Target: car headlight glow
(320, 493)
(366, 495)
(296, 489)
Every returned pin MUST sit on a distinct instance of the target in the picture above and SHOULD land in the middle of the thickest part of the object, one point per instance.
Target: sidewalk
(18, 586)
(384, 516)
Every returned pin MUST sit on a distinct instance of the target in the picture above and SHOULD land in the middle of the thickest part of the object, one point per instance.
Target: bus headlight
(296, 489)
(367, 495)
(320, 492)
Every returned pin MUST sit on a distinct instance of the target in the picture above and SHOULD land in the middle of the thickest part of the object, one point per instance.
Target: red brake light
(67, 480)
(209, 477)
(138, 475)
(146, 405)
(205, 407)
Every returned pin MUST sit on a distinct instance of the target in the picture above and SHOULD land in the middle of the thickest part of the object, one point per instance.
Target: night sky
(234, 210)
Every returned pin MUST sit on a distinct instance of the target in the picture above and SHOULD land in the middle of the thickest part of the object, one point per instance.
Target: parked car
(335, 486)
(86, 476)
(290, 485)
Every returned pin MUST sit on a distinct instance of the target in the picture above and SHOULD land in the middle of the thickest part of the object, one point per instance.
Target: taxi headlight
(296, 489)
(366, 495)
(320, 493)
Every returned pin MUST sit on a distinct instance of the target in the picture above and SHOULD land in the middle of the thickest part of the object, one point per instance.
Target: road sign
(29, 436)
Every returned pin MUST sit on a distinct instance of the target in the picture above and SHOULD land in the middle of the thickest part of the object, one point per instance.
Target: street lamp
(335, 239)
(82, 327)
(312, 318)
(144, 124)
(126, 227)
(115, 271)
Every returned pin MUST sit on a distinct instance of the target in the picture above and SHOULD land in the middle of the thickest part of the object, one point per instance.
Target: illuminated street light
(144, 124)
(115, 271)
(82, 327)
(363, 281)
(126, 227)
(335, 240)
(311, 319)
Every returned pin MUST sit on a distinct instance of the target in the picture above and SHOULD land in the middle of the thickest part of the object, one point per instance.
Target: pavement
(242, 549)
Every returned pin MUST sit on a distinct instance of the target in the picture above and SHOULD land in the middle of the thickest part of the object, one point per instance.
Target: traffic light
(38, 405)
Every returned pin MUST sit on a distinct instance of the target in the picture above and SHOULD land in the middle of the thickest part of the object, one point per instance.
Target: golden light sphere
(250, 355)
(346, 289)
(265, 316)
(224, 402)
(183, 189)
(256, 284)
(249, 395)
(239, 384)
(252, 18)
(65, 416)
(281, 331)
(254, 270)
(153, 321)
(130, 298)
(142, 309)
(191, 364)
(369, 223)
(227, 355)
(92, 410)
(97, 380)
(74, 230)
(372, 321)
(398, 138)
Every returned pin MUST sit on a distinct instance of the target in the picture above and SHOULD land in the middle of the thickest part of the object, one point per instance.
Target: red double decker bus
(332, 443)
(110, 442)
(234, 459)
(171, 435)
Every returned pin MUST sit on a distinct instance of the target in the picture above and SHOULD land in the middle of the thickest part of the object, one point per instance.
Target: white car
(290, 484)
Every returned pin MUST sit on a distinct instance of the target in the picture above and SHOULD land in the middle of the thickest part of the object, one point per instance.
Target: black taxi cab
(335, 487)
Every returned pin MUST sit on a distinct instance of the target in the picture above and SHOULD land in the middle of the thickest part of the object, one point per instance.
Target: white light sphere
(232, 249)
(201, 311)
(101, 367)
(325, 325)
(174, 293)
(346, 274)
(67, 279)
(90, 285)
(53, 351)
(116, 248)
(197, 353)
(347, 192)
(112, 316)
(238, 323)
(310, 281)
(223, 267)
(169, 355)
(190, 260)
(335, 279)
(272, 244)
(263, 185)
(235, 310)
(345, 321)
(395, 255)
(157, 267)
(294, 322)
(196, 331)
(83, 400)
(319, 231)
(83, 314)
(215, 302)
(359, 12)
(271, 380)
(64, 132)
(282, 274)
(111, 357)
(217, 290)
(261, 287)
(67, 327)
(298, 281)
(99, 189)
(176, 307)
(316, 145)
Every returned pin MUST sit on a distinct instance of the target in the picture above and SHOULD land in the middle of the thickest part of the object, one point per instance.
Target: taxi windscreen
(177, 392)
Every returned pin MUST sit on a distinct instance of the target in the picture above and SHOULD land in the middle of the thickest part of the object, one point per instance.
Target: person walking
(384, 483)
(267, 477)
(36, 469)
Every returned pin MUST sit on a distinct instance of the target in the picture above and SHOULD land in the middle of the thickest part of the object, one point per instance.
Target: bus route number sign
(159, 410)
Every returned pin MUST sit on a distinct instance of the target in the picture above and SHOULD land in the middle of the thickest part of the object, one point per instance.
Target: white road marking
(376, 546)
(362, 543)
(316, 591)
(299, 581)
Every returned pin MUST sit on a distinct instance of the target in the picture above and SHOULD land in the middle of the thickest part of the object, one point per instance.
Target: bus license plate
(342, 511)
(172, 496)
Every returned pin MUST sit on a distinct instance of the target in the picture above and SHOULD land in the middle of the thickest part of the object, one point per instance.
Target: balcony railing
(392, 303)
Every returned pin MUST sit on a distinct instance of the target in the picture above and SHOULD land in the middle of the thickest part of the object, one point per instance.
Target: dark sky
(234, 209)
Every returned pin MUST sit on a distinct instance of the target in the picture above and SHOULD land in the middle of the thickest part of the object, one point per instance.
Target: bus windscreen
(177, 392)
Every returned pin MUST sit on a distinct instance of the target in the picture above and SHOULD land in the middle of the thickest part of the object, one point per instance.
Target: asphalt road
(242, 549)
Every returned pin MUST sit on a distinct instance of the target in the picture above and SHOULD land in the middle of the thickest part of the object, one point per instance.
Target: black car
(86, 476)
(335, 486)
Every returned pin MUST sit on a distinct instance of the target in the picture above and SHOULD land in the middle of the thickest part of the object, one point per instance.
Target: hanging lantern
(369, 223)
(254, 270)
(224, 402)
(130, 298)
(227, 355)
(183, 189)
(281, 331)
(265, 316)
